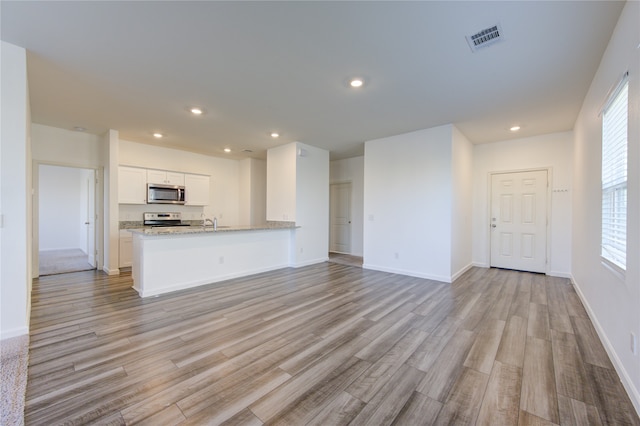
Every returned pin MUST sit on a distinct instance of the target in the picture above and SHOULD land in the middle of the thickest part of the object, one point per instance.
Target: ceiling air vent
(485, 37)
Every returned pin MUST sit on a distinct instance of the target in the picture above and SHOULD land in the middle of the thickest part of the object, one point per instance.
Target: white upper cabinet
(165, 178)
(132, 185)
(196, 190)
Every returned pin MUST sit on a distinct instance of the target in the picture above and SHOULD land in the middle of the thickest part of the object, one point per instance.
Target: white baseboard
(480, 264)
(111, 271)
(407, 272)
(559, 274)
(632, 391)
(460, 272)
(309, 262)
(8, 334)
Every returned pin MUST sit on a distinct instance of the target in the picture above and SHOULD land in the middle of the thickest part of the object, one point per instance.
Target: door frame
(331, 185)
(35, 213)
(487, 225)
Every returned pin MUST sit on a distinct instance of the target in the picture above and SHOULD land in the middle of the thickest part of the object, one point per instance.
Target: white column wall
(253, 191)
(613, 302)
(15, 190)
(539, 152)
(407, 203)
(312, 205)
(462, 201)
(281, 183)
(111, 214)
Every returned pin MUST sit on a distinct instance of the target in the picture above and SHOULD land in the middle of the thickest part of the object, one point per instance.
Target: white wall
(407, 203)
(258, 199)
(613, 302)
(281, 183)
(253, 191)
(61, 203)
(462, 202)
(547, 151)
(65, 147)
(224, 188)
(15, 187)
(352, 170)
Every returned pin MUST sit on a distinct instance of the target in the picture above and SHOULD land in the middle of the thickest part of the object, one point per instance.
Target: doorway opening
(340, 218)
(340, 225)
(66, 219)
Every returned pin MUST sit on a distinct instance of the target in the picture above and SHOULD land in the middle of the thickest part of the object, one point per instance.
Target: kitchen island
(175, 258)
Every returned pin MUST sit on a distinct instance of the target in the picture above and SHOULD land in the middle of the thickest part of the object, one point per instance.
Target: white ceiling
(265, 66)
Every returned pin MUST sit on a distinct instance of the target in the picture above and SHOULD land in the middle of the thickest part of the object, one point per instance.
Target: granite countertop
(199, 229)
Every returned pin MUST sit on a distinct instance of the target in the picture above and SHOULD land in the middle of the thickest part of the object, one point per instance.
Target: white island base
(166, 262)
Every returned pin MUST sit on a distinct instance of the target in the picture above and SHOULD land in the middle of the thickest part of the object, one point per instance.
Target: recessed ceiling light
(227, 150)
(275, 135)
(158, 135)
(356, 82)
(514, 128)
(196, 110)
(79, 129)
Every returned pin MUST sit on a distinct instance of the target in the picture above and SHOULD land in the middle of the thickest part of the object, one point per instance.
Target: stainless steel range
(163, 219)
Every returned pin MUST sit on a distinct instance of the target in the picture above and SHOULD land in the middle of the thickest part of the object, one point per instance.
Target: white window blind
(614, 176)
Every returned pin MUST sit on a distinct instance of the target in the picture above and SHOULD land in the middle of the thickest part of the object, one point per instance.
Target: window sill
(615, 270)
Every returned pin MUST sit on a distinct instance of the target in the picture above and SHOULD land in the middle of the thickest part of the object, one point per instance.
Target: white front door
(91, 218)
(340, 221)
(518, 222)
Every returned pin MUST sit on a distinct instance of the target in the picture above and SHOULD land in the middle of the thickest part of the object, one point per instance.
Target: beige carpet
(13, 374)
(63, 261)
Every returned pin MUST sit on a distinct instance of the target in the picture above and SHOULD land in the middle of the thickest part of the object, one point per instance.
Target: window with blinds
(614, 176)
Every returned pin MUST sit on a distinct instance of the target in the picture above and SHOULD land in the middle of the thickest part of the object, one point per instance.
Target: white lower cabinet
(126, 249)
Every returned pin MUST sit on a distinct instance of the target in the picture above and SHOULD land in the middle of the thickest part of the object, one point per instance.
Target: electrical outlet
(221, 260)
(396, 255)
(633, 343)
(301, 250)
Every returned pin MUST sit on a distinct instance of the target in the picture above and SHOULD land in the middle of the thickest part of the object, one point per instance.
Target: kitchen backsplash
(133, 212)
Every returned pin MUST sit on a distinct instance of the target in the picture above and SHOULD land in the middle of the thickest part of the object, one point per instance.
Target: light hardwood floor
(327, 344)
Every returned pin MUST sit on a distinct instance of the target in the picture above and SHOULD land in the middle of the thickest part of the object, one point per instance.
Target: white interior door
(518, 222)
(91, 218)
(340, 220)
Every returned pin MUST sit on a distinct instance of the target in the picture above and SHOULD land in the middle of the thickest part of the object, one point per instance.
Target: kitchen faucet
(213, 222)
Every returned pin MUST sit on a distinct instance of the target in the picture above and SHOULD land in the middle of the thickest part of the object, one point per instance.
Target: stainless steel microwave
(165, 194)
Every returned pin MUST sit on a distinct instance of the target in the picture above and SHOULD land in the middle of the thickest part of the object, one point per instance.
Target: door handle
(493, 225)
(87, 223)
